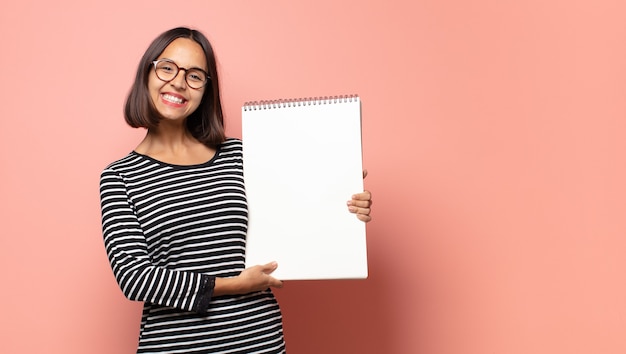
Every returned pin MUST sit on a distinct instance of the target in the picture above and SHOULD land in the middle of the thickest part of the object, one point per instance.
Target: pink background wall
(493, 134)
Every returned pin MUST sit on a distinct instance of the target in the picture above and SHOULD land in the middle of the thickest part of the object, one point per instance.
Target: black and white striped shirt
(169, 230)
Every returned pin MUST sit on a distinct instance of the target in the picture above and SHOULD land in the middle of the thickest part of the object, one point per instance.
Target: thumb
(269, 267)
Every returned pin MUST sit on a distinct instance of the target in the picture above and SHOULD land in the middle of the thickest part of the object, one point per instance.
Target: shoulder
(231, 145)
(119, 166)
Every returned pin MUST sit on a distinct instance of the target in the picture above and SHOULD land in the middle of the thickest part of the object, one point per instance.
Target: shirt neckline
(162, 163)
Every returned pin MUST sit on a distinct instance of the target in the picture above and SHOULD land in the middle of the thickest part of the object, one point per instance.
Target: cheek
(197, 99)
(153, 89)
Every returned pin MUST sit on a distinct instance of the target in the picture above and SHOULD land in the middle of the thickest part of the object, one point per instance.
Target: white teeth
(173, 99)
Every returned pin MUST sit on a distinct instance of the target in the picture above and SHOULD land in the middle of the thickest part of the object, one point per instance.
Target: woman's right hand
(250, 280)
(258, 278)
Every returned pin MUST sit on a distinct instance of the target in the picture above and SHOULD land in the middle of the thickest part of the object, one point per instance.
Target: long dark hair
(206, 123)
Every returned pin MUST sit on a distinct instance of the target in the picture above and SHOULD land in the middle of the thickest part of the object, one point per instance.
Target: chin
(172, 115)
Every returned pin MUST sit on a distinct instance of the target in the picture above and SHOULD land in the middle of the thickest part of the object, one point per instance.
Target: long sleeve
(127, 251)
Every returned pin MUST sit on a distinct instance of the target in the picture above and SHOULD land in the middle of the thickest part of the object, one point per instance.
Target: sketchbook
(302, 163)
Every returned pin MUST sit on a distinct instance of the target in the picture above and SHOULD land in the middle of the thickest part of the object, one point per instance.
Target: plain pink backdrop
(493, 134)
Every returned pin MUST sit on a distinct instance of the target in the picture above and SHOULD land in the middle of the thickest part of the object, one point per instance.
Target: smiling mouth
(173, 99)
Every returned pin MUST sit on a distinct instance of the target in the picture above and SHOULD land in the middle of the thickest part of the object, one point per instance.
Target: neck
(167, 137)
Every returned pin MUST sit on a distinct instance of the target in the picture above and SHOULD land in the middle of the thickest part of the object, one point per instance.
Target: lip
(175, 96)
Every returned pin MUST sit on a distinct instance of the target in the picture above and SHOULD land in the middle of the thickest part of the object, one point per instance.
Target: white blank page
(302, 163)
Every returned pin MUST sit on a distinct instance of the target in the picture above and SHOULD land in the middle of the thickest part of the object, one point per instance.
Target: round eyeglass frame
(178, 69)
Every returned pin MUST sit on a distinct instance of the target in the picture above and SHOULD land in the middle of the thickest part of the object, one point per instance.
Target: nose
(179, 80)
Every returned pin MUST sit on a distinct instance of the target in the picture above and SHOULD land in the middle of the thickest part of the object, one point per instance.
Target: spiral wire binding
(297, 102)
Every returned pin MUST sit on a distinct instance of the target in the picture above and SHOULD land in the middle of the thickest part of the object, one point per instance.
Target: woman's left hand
(361, 203)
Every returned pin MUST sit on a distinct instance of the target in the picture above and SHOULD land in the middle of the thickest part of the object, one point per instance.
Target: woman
(174, 213)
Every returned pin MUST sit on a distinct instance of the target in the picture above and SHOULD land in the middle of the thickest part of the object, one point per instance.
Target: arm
(127, 251)
(140, 280)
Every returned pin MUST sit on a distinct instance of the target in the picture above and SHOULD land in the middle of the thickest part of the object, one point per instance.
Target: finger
(275, 283)
(356, 210)
(364, 218)
(359, 206)
(365, 195)
(360, 203)
(364, 174)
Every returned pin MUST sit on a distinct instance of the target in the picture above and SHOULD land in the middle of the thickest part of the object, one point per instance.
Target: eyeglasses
(166, 70)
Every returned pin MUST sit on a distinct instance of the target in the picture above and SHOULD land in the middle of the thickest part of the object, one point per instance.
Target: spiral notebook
(302, 163)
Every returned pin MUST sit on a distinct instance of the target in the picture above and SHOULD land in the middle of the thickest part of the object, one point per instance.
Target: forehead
(186, 53)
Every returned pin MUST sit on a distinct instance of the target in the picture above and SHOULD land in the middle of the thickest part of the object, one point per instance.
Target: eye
(196, 75)
(166, 67)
